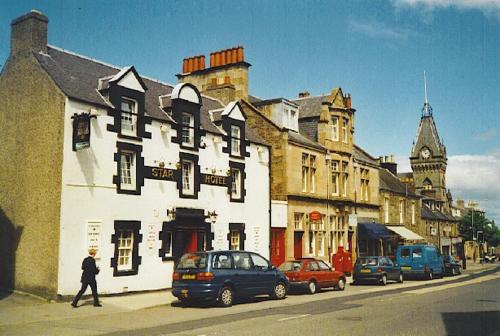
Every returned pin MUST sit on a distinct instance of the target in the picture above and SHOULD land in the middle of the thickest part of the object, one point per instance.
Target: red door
(277, 246)
(192, 243)
(297, 244)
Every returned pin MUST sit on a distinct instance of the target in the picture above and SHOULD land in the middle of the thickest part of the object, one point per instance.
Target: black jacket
(89, 269)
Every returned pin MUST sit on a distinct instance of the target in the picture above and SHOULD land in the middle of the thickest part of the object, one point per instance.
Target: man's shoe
(97, 305)
(74, 305)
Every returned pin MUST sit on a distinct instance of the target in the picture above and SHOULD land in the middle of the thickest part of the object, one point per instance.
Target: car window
(405, 253)
(222, 261)
(259, 262)
(388, 262)
(323, 266)
(193, 261)
(314, 266)
(290, 266)
(242, 260)
(368, 261)
(416, 253)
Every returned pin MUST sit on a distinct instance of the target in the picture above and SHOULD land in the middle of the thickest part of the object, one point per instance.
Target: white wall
(88, 194)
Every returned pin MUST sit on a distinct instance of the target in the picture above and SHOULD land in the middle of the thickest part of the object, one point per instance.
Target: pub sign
(81, 130)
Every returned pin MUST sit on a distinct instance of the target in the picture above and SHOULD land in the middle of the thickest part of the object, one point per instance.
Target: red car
(312, 275)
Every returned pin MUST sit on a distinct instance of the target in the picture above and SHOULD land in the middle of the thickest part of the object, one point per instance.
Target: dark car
(376, 269)
(451, 265)
(220, 276)
(312, 275)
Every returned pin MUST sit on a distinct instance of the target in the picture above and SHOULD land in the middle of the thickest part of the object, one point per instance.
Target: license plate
(189, 277)
(406, 268)
(184, 293)
(366, 271)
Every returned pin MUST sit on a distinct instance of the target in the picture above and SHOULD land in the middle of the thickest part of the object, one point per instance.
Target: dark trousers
(93, 287)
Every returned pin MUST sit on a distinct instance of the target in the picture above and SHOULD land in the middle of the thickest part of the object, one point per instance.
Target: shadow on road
(472, 323)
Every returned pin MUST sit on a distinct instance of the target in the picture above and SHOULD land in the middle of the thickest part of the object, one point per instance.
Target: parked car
(451, 265)
(312, 275)
(376, 269)
(491, 258)
(220, 276)
(420, 260)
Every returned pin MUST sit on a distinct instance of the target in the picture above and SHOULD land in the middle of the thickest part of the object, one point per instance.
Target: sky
(376, 50)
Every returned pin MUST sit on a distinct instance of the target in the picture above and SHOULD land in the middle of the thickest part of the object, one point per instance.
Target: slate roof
(361, 155)
(311, 106)
(80, 78)
(436, 215)
(391, 183)
(427, 136)
(309, 128)
(302, 140)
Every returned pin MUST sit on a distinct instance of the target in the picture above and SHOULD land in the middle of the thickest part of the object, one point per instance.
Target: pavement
(20, 307)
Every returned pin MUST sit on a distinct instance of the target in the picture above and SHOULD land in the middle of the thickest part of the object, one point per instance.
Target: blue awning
(373, 231)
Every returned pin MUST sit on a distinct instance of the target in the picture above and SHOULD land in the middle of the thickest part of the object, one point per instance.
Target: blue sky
(375, 49)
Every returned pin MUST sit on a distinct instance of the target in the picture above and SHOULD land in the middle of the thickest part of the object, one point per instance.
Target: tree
(491, 232)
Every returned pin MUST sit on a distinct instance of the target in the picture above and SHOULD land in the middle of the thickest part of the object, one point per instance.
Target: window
(405, 253)
(236, 236)
(335, 128)
(187, 130)
(305, 171)
(128, 117)
(127, 170)
(125, 245)
(334, 165)
(344, 129)
(413, 213)
(235, 140)
(312, 242)
(365, 184)
(417, 253)
(427, 184)
(298, 221)
(312, 170)
(187, 178)
(222, 261)
(242, 260)
(401, 211)
(345, 176)
(321, 244)
(235, 183)
(166, 244)
(386, 210)
(259, 262)
(323, 266)
(235, 240)
(293, 120)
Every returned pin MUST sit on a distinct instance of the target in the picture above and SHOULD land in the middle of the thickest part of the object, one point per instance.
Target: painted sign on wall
(94, 236)
(216, 180)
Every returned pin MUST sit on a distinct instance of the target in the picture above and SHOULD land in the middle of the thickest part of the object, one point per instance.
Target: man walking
(88, 279)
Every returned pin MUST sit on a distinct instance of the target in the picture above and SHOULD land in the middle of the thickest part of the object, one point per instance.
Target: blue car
(220, 276)
(376, 269)
(420, 261)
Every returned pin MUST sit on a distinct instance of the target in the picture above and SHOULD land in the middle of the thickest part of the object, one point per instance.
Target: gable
(186, 92)
(130, 81)
(233, 110)
(337, 98)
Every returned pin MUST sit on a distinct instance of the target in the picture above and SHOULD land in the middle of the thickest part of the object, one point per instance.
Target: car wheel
(279, 292)
(226, 297)
(400, 279)
(311, 287)
(383, 280)
(340, 284)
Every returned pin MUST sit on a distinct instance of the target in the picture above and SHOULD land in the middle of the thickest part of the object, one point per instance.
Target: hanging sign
(81, 130)
(315, 216)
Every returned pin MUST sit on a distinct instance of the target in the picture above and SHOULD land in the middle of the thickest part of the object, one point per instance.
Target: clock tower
(428, 160)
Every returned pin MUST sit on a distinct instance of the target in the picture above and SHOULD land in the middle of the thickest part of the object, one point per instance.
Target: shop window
(126, 238)
(298, 220)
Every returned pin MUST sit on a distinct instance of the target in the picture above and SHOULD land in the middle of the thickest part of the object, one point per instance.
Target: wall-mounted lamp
(163, 128)
(216, 140)
(203, 145)
(171, 214)
(212, 215)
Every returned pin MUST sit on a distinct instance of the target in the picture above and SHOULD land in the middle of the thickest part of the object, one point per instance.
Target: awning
(405, 233)
(373, 231)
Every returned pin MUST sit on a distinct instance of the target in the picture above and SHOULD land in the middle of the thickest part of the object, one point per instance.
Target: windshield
(193, 260)
(368, 261)
(290, 266)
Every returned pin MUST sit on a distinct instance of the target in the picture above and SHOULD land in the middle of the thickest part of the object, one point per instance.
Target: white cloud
(378, 29)
(472, 177)
(488, 7)
(486, 135)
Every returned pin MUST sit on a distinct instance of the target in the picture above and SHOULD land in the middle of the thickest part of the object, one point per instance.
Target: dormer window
(129, 116)
(235, 140)
(187, 130)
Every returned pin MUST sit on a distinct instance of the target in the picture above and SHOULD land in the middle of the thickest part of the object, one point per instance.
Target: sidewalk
(18, 308)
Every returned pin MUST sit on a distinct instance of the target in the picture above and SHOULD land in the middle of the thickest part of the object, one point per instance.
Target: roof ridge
(309, 97)
(84, 57)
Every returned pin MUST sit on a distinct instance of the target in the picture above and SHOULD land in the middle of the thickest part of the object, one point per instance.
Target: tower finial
(427, 109)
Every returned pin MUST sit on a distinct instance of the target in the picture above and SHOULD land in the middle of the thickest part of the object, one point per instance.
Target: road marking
(453, 285)
(293, 317)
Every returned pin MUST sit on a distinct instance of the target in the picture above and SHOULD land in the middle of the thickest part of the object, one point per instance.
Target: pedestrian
(88, 279)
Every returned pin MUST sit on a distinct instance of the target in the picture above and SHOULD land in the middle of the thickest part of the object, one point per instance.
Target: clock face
(425, 153)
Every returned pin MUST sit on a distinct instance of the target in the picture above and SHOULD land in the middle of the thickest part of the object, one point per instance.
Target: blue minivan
(220, 276)
(420, 260)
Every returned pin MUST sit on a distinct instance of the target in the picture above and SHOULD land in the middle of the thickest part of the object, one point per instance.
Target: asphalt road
(459, 306)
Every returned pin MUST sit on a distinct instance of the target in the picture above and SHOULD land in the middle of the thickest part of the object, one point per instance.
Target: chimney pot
(212, 59)
(190, 64)
(202, 62)
(234, 57)
(223, 57)
(184, 65)
(217, 58)
(304, 94)
(240, 54)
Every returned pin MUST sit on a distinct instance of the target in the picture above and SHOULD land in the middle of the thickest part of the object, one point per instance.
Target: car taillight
(379, 270)
(204, 276)
(176, 276)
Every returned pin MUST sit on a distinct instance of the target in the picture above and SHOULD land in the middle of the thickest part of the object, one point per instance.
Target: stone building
(98, 156)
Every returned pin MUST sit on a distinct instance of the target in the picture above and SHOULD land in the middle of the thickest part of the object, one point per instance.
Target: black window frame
(241, 167)
(239, 227)
(181, 106)
(135, 227)
(196, 175)
(227, 122)
(139, 167)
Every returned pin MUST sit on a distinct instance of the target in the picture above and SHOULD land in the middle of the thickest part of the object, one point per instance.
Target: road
(468, 305)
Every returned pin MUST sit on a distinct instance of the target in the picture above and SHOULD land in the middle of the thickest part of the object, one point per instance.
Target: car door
(264, 277)
(243, 276)
(317, 273)
(392, 273)
(330, 278)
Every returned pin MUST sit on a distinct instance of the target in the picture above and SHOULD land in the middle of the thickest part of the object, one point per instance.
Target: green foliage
(490, 231)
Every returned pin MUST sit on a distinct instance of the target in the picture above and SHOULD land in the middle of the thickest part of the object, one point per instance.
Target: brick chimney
(388, 163)
(226, 79)
(29, 33)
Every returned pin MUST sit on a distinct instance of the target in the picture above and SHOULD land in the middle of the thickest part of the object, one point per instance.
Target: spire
(427, 109)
